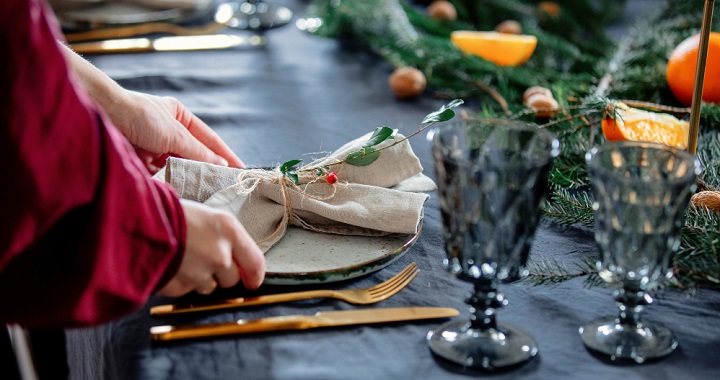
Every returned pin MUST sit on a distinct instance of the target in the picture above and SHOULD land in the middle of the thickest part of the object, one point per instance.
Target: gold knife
(173, 43)
(301, 322)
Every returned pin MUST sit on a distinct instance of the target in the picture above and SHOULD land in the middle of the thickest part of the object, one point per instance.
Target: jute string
(249, 180)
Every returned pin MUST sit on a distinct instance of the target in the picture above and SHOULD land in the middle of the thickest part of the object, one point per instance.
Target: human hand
(218, 251)
(161, 126)
(157, 126)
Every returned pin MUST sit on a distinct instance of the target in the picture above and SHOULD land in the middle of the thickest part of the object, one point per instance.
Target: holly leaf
(289, 166)
(362, 157)
(445, 112)
(379, 135)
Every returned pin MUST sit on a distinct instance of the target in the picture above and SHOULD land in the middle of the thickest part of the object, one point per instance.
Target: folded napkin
(374, 200)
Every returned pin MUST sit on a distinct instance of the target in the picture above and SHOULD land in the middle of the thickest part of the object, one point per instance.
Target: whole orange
(682, 66)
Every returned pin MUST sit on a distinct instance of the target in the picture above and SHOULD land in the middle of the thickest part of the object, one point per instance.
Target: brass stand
(700, 76)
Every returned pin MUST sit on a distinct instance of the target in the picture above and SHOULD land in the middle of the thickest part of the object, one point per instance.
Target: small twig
(656, 107)
(495, 95)
(566, 118)
(422, 128)
(604, 85)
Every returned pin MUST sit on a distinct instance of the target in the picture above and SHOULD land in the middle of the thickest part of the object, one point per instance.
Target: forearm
(107, 93)
(86, 234)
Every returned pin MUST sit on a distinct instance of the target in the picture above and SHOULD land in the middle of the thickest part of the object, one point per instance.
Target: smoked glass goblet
(641, 193)
(492, 177)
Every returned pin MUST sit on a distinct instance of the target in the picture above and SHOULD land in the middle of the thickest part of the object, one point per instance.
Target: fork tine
(389, 292)
(396, 284)
(398, 277)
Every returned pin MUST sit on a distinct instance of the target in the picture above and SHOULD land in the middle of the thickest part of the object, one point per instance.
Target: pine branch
(564, 61)
(549, 271)
(570, 207)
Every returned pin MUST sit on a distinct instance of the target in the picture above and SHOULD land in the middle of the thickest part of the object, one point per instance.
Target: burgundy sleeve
(86, 234)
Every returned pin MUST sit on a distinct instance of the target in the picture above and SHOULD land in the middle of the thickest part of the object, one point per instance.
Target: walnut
(442, 10)
(544, 106)
(407, 82)
(509, 27)
(709, 199)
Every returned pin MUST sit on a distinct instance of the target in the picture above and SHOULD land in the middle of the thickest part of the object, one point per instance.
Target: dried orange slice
(634, 124)
(499, 48)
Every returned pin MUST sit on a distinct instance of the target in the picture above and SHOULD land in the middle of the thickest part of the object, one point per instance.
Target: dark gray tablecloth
(301, 94)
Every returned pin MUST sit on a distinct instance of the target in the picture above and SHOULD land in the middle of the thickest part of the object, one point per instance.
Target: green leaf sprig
(370, 152)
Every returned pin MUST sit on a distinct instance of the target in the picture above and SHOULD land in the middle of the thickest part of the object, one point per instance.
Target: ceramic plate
(306, 257)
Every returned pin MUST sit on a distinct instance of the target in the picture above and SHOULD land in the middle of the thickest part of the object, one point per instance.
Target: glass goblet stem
(631, 303)
(484, 302)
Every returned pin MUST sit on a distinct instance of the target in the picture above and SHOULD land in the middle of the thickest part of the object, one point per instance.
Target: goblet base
(489, 349)
(258, 15)
(646, 340)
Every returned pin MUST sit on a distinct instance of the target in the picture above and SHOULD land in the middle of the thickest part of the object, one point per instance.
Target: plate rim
(277, 278)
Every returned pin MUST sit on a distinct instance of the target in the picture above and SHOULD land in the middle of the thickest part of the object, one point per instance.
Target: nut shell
(709, 199)
(509, 27)
(442, 10)
(407, 82)
(536, 90)
(551, 8)
(544, 106)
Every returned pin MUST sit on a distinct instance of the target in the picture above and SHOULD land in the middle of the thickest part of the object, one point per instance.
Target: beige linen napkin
(378, 199)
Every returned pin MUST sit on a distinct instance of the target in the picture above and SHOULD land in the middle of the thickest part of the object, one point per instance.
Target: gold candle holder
(700, 76)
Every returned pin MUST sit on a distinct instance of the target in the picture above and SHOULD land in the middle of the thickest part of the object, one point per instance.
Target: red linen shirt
(86, 234)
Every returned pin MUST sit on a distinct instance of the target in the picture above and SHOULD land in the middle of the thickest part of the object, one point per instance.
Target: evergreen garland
(586, 72)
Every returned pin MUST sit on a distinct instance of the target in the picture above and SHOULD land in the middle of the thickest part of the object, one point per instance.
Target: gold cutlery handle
(295, 322)
(142, 29)
(239, 302)
(113, 46)
(301, 322)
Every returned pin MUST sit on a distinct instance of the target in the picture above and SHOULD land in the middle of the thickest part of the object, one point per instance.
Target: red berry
(332, 178)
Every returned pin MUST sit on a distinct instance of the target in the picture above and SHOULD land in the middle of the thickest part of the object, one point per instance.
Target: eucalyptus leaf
(363, 157)
(288, 165)
(379, 135)
(445, 112)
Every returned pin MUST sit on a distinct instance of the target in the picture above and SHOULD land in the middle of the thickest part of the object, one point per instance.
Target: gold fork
(365, 296)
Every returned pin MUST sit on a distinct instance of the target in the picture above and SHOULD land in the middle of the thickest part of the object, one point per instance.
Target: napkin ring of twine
(250, 179)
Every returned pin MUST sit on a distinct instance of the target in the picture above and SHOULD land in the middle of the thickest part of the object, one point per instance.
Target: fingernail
(221, 161)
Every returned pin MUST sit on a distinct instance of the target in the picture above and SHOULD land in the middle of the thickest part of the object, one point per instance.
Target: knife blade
(172, 43)
(301, 322)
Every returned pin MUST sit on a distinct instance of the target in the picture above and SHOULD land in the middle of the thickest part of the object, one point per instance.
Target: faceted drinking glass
(641, 192)
(492, 177)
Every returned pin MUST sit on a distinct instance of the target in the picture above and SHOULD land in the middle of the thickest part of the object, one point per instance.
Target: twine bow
(248, 180)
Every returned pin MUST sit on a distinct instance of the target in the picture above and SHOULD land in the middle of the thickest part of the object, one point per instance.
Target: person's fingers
(160, 161)
(187, 146)
(207, 136)
(249, 258)
(229, 276)
(207, 288)
(175, 288)
(150, 160)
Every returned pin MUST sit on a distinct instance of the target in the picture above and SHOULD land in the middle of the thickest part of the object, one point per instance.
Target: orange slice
(639, 125)
(499, 48)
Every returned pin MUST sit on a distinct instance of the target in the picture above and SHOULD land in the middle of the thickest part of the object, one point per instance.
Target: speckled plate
(306, 257)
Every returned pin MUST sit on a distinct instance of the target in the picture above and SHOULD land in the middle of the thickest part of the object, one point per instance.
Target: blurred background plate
(114, 14)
